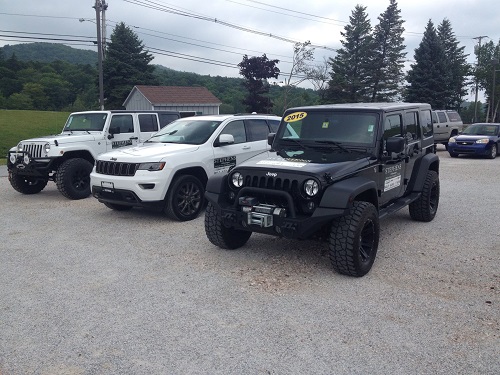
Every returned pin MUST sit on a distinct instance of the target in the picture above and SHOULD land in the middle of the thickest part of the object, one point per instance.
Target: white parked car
(169, 171)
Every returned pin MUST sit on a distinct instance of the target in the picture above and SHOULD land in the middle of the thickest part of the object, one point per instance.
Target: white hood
(67, 137)
(148, 152)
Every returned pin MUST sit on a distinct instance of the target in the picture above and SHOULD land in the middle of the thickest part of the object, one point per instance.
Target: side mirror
(226, 139)
(113, 131)
(270, 138)
(395, 144)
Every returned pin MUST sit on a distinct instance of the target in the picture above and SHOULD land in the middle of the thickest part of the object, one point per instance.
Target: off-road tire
(353, 240)
(117, 207)
(221, 236)
(493, 152)
(27, 184)
(73, 178)
(425, 207)
(185, 198)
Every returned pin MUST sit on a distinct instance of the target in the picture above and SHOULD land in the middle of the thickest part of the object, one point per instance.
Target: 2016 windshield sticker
(283, 163)
(117, 144)
(222, 165)
(392, 177)
(296, 116)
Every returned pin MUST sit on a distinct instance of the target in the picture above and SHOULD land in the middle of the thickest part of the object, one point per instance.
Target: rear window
(454, 116)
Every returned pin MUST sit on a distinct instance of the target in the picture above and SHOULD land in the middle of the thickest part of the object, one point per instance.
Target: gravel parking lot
(87, 290)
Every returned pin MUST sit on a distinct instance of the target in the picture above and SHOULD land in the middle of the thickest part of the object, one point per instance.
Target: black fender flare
(216, 185)
(341, 194)
(427, 162)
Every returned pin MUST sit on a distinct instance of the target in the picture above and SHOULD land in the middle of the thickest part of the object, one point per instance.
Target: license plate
(108, 186)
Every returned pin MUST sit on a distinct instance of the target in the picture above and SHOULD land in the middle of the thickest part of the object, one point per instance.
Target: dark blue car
(477, 139)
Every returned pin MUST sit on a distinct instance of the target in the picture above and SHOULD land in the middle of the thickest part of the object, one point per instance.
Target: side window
(148, 123)
(442, 116)
(257, 129)
(426, 123)
(237, 130)
(411, 126)
(166, 118)
(392, 126)
(122, 122)
(274, 125)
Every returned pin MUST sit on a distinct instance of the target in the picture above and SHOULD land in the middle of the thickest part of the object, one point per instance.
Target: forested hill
(48, 76)
(48, 52)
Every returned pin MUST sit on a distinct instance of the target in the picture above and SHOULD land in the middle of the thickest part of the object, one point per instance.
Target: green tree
(350, 69)
(488, 56)
(456, 65)
(428, 77)
(389, 56)
(256, 71)
(127, 64)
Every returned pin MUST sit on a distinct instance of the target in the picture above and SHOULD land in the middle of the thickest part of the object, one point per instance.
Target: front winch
(260, 214)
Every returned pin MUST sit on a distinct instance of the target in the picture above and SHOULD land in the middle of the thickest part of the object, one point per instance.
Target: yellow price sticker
(296, 116)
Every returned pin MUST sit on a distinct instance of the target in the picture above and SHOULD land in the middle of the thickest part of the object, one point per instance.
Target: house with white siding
(189, 101)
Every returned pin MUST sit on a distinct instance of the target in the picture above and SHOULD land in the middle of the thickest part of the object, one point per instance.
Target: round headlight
(237, 179)
(46, 148)
(13, 158)
(311, 187)
(26, 159)
(19, 146)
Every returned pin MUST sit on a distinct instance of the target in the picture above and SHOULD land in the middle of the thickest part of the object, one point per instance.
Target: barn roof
(158, 95)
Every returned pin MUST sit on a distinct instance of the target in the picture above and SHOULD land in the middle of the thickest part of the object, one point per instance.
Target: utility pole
(98, 9)
(479, 38)
(103, 28)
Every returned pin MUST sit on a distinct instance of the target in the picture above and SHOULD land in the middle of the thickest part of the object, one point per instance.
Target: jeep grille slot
(116, 169)
(33, 149)
(288, 185)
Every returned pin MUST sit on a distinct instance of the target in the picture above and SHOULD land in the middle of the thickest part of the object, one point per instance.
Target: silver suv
(447, 124)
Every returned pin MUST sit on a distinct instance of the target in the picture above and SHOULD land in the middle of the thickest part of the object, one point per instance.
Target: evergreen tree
(456, 65)
(350, 69)
(256, 71)
(428, 77)
(389, 55)
(126, 65)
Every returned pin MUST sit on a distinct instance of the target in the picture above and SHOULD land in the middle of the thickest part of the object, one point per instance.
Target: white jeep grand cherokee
(169, 171)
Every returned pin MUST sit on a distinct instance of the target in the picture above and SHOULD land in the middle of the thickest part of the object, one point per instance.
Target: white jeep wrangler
(169, 171)
(67, 158)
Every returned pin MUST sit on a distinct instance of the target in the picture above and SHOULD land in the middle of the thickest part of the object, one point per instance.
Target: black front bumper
(272, 220)
(124, 197)
(35, 168)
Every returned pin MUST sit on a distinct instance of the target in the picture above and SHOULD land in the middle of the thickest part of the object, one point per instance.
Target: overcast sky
(198, 30)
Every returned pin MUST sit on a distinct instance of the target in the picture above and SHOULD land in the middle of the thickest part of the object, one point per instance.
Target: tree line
(369, 67)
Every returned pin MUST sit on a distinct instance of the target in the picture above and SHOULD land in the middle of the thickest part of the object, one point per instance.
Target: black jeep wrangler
(334, 171)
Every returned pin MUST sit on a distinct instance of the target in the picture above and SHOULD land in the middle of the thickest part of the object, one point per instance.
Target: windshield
(481, 129)
(189, 131)
(326, 131)
(86, 122)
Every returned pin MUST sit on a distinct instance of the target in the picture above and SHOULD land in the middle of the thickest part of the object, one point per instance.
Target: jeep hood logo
(114, 159)
(269, 174)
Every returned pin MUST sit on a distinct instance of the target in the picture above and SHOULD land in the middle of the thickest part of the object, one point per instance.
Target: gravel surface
(87, 290)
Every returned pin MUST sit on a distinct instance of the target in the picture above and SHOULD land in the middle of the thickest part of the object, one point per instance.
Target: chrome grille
(33, 149)
(116, 169)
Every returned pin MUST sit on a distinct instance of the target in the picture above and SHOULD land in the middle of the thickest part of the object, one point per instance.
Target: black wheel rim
(366, 241)
(81, 180)
(188, 199)
(433, 198)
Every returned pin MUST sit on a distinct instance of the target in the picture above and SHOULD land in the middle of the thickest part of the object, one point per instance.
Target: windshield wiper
(334, 143)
